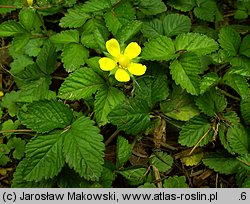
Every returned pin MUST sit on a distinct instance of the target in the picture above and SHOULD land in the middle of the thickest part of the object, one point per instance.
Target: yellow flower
(1, 94)
(30, 2)
(121, 63)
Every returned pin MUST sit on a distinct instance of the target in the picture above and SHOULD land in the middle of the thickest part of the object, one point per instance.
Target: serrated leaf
(73, 56)
(121, 15)
(19, 182)
(44, 157)
(10, 28)
(80, 84)
(9, 101)
(238, 139)
(33, 47)
(162, 161)
(180, 105)
(83, 148)
(185, 71)
(160, 48)
(9, 125)
(152, 89)
(246, 183)
(240, 66)
(198, 128)
(238, 83)
(208, 81)
(20, 63)
(244, 108)
(222, 163)
(105, 101)
(229, 40)
(97, 5)
(47, 58)
(223, 138)
(27, 18)
(135, 176)
(19, 41)
(175, 24)
(197, 43)
(245, 161)
(175, 182)
(4, 159)
(74, 18)
(149, 7)
(128, 31)
(68, 36)
(123, 151)
(182, 5)
(245, 46)
(202, 12)
(211, 102)
(19, 145)
(152, 28)
(44, 116)
(132, 116)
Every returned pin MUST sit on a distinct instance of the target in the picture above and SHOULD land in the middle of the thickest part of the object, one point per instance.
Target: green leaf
(185, 71)
(197, 43)
(9, 125)
(19, 182)
(160, 48)
(121, 15)
(182, 5)
(180, 105)
(74, 18)
(44, 116)
(245, 46)
(229, 40)
(44, 157)
(47, 58)
(175, 182)
(244, 108)
(246, 183)
(238, 139)
(10, 28)
(27, 18)
(152, 89)
(208, 81)
(240, 66)
(106, 100)
(128, 31)
(123, 151)
(19, 41)
(83, 148)
(211, 102)
(222, 163)
(68, 36)
(147, 185)
(206, 10)
(245, 161)
(4, 159)
(224, 139)
(9, 101)
(198, 128)
(238, 83)
(73, 56)
(152, 28)
(19, 145)
(132, 116)
(20, 63)
(97, 5)
(33, 47)
(162, 161)
(135, 175)
(149, 7)
(175, 24)
(80, 84)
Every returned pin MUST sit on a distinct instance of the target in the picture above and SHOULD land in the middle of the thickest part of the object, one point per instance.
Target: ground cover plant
(125, 93)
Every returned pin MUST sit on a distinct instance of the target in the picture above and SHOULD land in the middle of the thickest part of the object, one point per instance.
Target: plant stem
(13, 131)
(110, 139)
(229, 95)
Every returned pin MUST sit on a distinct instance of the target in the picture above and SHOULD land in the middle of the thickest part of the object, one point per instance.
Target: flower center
(123, 61)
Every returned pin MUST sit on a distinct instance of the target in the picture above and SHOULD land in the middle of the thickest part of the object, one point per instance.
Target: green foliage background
(62, 114)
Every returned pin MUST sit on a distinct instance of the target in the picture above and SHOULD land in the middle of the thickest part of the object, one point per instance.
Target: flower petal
(113, 47)
(137, 69)
(107, 64)
(122, 75)
(132, 50)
